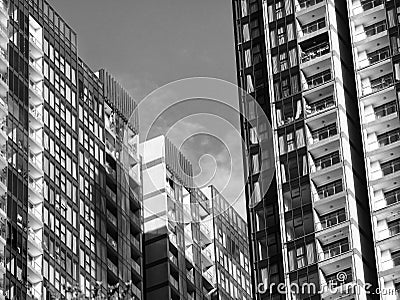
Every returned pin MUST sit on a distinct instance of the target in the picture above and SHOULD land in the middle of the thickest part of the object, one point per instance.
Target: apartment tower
(185, 258)
(66, 193)
(295, 58)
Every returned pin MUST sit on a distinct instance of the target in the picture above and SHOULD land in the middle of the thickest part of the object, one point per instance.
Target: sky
(148, 44)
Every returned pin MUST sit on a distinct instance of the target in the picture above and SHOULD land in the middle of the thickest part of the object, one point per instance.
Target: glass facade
(61, 232)
(319, 195)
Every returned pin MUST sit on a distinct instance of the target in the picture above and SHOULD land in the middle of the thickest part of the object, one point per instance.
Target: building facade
(335, 194)
(231, 247)
(180, 232)
(66, 193)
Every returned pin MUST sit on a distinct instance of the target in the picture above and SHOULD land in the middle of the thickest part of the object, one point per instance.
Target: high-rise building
(71, 217)
(231, 248)
(324, 73)
(180, 232)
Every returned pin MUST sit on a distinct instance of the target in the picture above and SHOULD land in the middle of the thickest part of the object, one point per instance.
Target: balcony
(326, 161)
(34, 294)
(112, 242)
(390, 167)
(315, 52)
(366, 5)
(3, 107)
(331, 219)
(320, 106)
(135, 242)
(112, 218)
(317, 80)
(385, 110)
(3, 34)
(35, 191)
(333, 281)
(174, 282)
(392, 197)
(389, 138)
(111, 195)
(113, 268)
(135, 266)
(3, 85)
(35, 48)
(330, 189)
(391, 266)
(323, 133)
(35, 70)
(379, 84)
(110, 171)
(3, 61)
(173, 259)
(333, 251)
(375, 57)
(392, 230)
(35, 93)
(35, 164)
(312, 27)
(371, 31)
(305, 4)
(35, 217)
(34, 243)
(35, 139)
(34, 271)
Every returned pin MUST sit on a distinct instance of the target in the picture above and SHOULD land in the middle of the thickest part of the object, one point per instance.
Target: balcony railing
(394, 229)
(35, 212)
(394, 261)
(392, 197)
(313, 27)
(135, 241)
(112, 218)
(315, 52)
(112, 242)
(110, 194)
(36, 187)
(335, 251)
(110, 171)
(327, 161)
(321, 105)
(36, 135)
(378, 55)
(318, 79)
(385, 110)
(307, 3)
(330, 189)
(35, 41)
(375, 29)
(367, 5)
(324, 133)
(3, 78)
(174, 282)
(35, 160)
(381, 83)
(35, 65)
(335, 280)
(112, 267)
(390, 167)
(389, 138)
(173, 259)
(36, 88)
(3, 54)
(332, 219)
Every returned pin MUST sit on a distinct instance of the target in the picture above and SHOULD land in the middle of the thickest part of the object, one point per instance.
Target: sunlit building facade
(334, 176)
(66, 193)
(195, 244)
